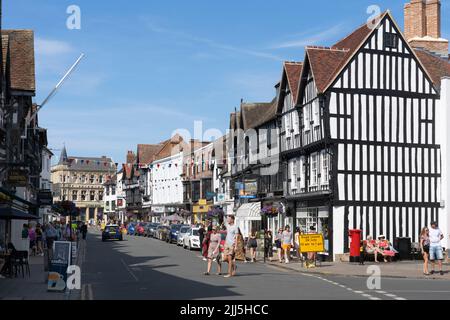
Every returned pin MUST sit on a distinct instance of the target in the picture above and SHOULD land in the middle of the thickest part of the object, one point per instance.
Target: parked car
(192, 239)
(147, 229)
(152, 230)
(162, 232)
(112, 232)
(140, 229)
(183, 231)
(174, 230)
(131, 229)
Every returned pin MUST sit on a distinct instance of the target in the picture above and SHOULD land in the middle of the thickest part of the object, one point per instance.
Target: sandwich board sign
(311, 243)
(57, 276)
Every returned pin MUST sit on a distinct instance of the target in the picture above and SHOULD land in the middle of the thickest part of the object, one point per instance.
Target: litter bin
(403, 246)
(355, 245)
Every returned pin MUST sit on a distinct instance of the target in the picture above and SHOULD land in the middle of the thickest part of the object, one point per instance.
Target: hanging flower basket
(270, 211)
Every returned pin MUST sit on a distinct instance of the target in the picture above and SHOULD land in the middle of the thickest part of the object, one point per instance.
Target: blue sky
(155, 66)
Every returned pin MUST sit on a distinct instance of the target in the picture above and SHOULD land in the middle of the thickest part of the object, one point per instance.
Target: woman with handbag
(425, 248)
(278, 238)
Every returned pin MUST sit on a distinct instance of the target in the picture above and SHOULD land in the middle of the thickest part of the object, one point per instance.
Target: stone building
(81, 180)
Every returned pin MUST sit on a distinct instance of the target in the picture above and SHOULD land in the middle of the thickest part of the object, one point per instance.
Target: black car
(112, 232)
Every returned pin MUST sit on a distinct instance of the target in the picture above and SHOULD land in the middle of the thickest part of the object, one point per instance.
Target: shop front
(200, 211)
(317, 218)
(248, 218)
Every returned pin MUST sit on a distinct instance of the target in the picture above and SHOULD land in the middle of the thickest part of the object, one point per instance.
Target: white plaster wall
(338, 227)
(443, 136)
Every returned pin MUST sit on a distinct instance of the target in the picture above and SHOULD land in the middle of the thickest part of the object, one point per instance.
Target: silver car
(181, 234)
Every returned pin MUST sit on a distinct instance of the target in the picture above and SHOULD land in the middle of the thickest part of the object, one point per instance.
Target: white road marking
(129, 270)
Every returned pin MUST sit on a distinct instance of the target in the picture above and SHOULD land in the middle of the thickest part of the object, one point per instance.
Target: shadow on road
(114, 273)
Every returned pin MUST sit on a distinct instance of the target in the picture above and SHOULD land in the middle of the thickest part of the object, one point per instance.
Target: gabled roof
(18, 59)
(146, 152)
(256, 114)
(324, 62)
(293, 71)
(436, 66)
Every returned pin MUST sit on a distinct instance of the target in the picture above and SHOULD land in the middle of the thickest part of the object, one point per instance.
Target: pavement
(29, 288)
(400, 269)
(35, 286)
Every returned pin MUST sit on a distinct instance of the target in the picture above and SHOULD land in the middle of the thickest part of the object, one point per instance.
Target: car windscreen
(184, 229)
(111, 229)
(176, 227)
(195, 232)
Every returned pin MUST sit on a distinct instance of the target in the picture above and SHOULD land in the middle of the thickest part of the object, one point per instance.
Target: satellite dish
(52, 94)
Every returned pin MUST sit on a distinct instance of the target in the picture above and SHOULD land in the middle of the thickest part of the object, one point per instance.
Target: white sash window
(314, 170)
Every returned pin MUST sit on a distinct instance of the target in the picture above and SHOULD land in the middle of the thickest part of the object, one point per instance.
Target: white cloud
(48, 47)
(211, 43)
(311, 39)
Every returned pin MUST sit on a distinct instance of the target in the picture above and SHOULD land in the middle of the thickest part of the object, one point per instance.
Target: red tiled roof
(146, 152)
(324, 63)
(18, 45)
(293, 71)
(437, 67)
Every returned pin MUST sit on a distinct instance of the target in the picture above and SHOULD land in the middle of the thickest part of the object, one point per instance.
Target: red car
(140, 229)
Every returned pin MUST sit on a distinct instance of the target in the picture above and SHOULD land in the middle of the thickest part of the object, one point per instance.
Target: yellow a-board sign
(311, 243)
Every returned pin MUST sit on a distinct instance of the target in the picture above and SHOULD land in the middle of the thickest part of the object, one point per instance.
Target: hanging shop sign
(18, 178)
(45, 198)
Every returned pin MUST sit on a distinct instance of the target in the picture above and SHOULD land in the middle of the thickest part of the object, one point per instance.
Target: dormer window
(390, 40)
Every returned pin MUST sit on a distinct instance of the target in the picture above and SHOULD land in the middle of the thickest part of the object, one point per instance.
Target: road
(143, 268)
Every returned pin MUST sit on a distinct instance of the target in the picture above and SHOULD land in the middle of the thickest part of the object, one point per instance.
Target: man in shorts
(436, 251)
(230, 246)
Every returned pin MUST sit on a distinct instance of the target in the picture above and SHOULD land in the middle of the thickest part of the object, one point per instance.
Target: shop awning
(9, 213)
(249, 212)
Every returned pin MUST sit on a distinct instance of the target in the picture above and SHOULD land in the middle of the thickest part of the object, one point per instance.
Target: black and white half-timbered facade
(363, 151)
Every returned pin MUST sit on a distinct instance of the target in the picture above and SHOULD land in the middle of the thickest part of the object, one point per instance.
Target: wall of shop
(338, 217)
(443, 138)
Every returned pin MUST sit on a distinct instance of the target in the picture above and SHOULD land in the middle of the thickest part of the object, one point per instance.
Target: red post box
(355, 244)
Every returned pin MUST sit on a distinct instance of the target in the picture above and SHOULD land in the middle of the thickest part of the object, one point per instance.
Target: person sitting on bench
(372, 248)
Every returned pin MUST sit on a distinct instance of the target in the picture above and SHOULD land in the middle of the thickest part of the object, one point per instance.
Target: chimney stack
(423, 26)
(131, 158)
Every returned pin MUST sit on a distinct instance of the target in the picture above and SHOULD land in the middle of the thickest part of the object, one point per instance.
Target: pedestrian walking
(268, 245)
(253, 245)
(311, 263)
(202, 234)
(436, 250)
(297, 243)
(32, 237)
(84, 230)
(278, 244)
(240, 254)
(287, 243)
(214, 251)
(39, 240)
(51, 235)
(425, 248)
(230, 246)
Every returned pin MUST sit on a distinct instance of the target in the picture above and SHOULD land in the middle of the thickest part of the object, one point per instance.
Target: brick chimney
(423, 26)
(131, 157)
